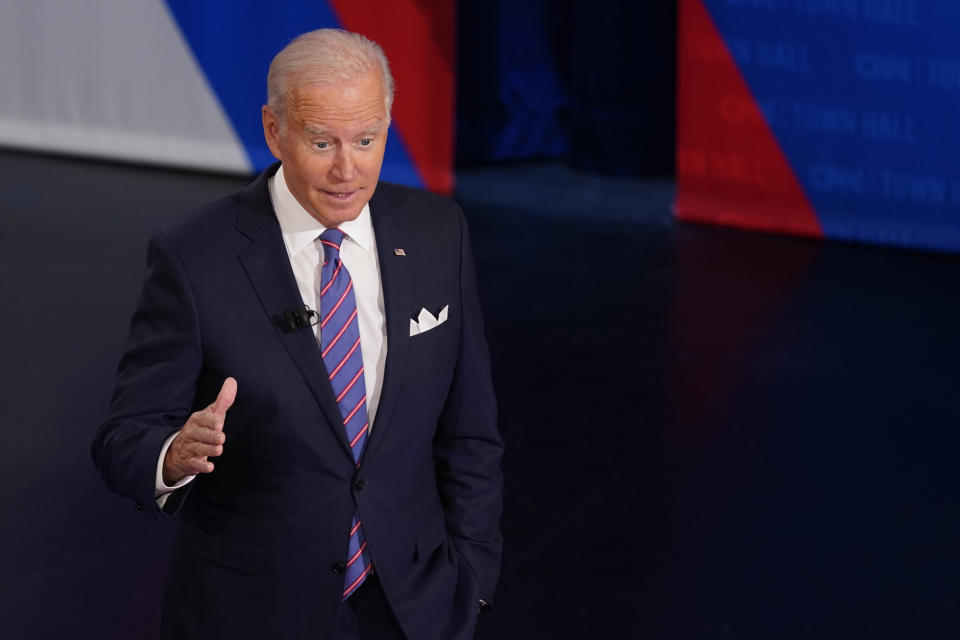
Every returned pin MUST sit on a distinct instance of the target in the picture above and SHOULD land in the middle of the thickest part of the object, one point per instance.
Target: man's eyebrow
(375, 127)
(369, 133)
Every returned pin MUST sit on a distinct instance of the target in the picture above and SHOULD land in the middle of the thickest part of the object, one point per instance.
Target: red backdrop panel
(730, 168)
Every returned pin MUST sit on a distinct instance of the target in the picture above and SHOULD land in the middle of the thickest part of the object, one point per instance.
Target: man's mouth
(340, 195)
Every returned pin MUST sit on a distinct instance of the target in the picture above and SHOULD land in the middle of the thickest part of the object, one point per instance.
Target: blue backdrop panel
(234, 42)
(863, 97)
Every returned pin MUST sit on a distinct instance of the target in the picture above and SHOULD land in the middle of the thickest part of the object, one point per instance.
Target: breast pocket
(432, 332)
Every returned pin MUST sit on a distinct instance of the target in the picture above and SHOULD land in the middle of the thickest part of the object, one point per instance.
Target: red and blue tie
(340, 345)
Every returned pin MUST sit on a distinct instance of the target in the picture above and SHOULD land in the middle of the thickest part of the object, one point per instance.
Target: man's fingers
(200, 450)
(228, 393)
(205, 430)
(190, 461)
(188, 447)
(200, 438)
(198, 465)
(188, 456)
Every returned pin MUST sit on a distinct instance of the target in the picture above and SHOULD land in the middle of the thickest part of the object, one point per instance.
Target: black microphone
(295, 319)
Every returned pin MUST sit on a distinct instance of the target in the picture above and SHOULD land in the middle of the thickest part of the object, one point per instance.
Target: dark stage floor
(747, 437)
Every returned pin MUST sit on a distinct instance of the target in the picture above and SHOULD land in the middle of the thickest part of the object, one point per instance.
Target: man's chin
(331, 216)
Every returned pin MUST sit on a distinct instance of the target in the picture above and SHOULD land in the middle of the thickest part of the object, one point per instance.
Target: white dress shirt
(358, 252)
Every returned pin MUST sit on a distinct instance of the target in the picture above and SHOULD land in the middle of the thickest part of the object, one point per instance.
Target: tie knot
(331, 239)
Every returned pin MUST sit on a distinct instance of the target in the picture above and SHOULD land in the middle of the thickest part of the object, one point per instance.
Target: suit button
(338, 568)
(360, 484)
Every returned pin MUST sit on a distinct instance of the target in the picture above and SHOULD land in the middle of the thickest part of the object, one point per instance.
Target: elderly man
(307, 386)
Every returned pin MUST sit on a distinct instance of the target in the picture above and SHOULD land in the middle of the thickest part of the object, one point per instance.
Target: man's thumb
(228, 393)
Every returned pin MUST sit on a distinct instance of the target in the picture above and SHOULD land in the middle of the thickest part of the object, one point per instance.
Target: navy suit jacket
(261, 537)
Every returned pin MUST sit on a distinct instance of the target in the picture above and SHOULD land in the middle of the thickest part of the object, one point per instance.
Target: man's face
(331, 146)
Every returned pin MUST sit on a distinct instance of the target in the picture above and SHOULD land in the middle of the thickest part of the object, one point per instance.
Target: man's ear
(271, 130)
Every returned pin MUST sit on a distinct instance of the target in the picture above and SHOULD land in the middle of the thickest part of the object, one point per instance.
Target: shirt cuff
(161, 489)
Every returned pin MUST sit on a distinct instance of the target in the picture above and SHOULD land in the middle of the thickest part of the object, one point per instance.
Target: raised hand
(201, 437)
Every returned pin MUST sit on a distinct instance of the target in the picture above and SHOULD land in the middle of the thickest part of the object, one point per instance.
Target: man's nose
(344, 167)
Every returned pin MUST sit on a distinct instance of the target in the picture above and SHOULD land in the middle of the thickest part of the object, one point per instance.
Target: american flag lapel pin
(399, 252)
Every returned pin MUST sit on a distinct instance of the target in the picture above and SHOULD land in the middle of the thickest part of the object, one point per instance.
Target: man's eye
(321, 145)
(366, 142)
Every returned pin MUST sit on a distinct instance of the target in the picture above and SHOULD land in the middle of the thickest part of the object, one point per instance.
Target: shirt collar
(300, 229)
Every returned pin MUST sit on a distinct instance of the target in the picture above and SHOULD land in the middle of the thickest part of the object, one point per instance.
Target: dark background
(592, 83)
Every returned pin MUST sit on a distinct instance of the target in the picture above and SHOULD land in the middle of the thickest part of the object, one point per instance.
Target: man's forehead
(322, 105)
(334, 116)
(369, 84)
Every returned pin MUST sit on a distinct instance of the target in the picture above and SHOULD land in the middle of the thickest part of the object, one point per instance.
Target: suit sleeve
(468, 447)
(156, 381)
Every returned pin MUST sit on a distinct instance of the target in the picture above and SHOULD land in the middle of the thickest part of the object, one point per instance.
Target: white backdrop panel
(108, 78)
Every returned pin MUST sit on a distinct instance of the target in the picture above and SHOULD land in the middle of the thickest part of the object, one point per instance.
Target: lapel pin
(399, 252)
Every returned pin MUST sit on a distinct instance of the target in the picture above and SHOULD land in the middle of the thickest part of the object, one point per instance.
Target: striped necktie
(340, 345)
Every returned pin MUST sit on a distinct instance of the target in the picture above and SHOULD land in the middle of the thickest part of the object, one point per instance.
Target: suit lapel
(396, 276)
(267, 265)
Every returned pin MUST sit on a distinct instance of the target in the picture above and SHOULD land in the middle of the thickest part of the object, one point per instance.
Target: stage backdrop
(181, 83)
(837, 118)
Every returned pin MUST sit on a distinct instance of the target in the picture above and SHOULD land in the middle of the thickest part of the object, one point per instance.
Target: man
(307, 385)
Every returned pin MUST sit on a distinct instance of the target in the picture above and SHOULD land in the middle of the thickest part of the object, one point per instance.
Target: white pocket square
(426, 321)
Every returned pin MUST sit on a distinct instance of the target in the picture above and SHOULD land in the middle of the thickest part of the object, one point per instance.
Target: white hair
(325, 56)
